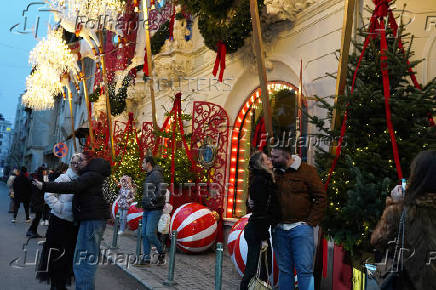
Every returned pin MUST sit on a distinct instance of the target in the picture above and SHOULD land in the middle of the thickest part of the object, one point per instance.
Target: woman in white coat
(56, 262)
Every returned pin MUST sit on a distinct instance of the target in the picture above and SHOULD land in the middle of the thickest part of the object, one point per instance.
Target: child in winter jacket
(125, 198)
(163, 226)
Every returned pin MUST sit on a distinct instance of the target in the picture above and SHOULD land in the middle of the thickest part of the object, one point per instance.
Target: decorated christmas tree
(185, 171)
(366, 170)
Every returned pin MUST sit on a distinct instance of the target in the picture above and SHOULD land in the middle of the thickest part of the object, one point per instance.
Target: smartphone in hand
(403, 185)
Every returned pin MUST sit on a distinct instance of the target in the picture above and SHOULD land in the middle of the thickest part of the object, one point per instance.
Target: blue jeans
(123, 219)
(294, 248)
(150, 218)
(86, 255)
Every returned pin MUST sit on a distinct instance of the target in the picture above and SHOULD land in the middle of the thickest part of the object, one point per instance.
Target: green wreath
(226, 21)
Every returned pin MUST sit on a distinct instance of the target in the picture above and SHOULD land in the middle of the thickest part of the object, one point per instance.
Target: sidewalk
(191, 271)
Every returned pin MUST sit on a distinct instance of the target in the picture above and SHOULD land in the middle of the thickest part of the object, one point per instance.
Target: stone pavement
(191, 271)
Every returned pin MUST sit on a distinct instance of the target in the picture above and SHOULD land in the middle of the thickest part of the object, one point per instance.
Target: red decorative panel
(147, 140)
(130, 23)
(101, 132)
(210, 122)
(159, 16)
(119, 132)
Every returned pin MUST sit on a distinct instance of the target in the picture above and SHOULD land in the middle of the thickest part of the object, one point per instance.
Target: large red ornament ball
(196, 227)
(235, 231)
(114, 210)
(134, 215)
(238, 249)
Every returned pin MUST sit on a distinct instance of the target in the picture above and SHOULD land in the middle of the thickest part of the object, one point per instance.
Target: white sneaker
(13, 220)
(120, 233)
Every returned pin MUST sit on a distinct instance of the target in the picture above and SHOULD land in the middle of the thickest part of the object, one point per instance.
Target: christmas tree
(185, 172)
(366, 172)
(183, 167)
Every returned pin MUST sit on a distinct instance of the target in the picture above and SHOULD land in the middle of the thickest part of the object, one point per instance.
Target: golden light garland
(92, 10)
(52, 59)
(41, 86)
(52, 53)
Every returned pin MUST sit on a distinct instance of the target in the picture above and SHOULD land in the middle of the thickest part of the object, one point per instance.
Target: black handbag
(256, 283)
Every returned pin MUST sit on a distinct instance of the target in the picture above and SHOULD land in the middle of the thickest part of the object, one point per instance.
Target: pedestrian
(262, 196)
(125, 198)
(46, 208)
(56, 262)
(10, 183)
(416, 261)
(303, 201)
(153, 201)
(22, 193)
(163, 225)
(37, 204)
(90, 210)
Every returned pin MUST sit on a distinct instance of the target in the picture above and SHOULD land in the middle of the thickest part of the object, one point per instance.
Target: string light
(52, 54)
(40, 89)
(92, 10)
(52, 59)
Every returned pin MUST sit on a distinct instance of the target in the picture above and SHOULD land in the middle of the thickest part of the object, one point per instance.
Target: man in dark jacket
(302, 200)
(91, 210)
(22, 193)
(37, 204)
(153, 201)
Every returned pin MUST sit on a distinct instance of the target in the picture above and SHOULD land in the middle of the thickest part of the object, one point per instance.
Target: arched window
(249, 135)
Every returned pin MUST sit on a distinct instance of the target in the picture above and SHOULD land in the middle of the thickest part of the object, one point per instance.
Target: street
(17, 260)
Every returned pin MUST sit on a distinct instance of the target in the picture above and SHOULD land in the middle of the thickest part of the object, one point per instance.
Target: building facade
(295, 32)
(6, 133)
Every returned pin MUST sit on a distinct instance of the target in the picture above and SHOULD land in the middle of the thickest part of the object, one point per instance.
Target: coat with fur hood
(88, 200)
(61, 205)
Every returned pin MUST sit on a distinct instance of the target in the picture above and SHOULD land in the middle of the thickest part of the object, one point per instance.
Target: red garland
(176, 113)
(220, 60)
(145, 67)
(171, 25)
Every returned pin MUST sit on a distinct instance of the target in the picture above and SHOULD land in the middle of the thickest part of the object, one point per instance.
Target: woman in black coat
(262, 201)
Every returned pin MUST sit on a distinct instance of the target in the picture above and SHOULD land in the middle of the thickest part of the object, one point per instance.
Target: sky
(15, 48)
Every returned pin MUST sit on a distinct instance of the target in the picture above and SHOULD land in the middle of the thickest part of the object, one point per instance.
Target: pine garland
(226, 21)
(95, 95)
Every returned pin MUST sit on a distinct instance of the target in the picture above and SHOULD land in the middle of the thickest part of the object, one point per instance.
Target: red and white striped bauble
(196, 227)
(114, 210)
(134, 215)
(234, 232)
(240, 250)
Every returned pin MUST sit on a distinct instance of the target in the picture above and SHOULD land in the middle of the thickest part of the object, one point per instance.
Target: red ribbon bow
(220, 60)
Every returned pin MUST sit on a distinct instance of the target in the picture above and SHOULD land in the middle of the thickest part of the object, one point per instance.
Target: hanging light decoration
(52, 59)
(40, 89)
(101, 12)
(53, 55)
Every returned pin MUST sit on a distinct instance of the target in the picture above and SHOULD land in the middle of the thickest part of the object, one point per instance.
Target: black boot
(161, 259)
